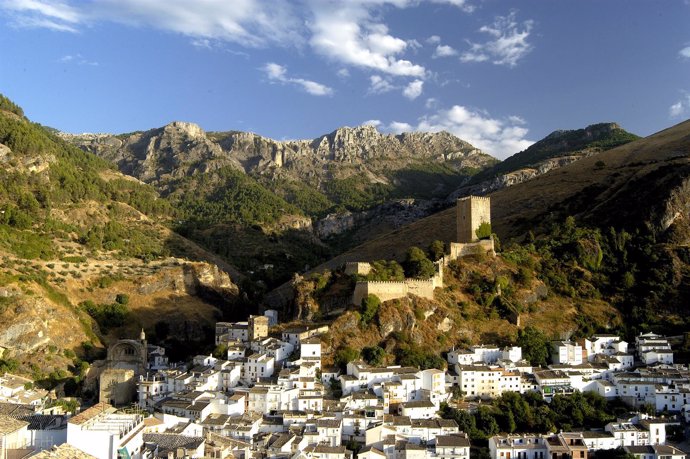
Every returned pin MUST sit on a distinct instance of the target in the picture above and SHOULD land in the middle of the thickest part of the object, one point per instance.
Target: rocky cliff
(183, 149)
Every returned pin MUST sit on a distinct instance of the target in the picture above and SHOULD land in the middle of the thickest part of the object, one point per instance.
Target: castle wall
(391, 290)
(459, 249)
(357, 267)
(117, 386)
(471, 211)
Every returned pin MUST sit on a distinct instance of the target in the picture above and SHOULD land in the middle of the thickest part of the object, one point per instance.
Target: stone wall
(117, 386)
(390, 290)
(357, 267)
(463, 249)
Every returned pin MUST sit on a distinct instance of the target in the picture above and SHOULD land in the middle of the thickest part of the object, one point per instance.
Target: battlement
(475, 198)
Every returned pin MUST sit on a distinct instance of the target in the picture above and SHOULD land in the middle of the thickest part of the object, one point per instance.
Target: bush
(483, 231)
(369, 308)
(417, 265)
(374, 355)
(436, 250)
(344, 355)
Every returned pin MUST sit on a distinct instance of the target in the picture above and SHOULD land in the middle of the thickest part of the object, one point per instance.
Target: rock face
(396, 213)
(518, 176)
(30, 324)
(180, 149)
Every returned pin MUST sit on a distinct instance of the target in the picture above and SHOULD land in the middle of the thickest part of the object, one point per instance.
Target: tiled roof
(64, 451)
(9, 424)
(91, 413)
(168, 442)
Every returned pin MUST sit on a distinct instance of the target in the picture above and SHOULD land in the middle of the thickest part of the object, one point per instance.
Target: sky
(499, 74)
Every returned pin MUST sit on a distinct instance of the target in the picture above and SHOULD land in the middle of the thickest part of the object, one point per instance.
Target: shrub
(369, 308)
(483, 231)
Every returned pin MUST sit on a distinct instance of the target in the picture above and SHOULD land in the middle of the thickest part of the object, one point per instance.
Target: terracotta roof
(91, 413)
(64, 451)
(9, 424)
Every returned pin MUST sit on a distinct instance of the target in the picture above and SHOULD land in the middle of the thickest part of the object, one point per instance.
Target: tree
(483, 231)
(344, 355)
(535, 345)
(436, 250)
(374, 355)
(417, 265)
(369, 308)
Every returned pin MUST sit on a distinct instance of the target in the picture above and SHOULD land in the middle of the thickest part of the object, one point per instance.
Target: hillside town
(265, 394)
(270, 397)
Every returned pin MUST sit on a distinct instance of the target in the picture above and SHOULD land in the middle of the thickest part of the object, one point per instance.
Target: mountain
(558, 149)
(276, 207)
(617, 221)
(86, 257)
(351, 167)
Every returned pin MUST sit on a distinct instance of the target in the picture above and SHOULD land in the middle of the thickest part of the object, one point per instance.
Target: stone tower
(472, 211)
(257, 327)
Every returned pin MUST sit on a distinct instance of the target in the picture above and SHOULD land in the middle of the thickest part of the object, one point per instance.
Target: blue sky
(500, 74)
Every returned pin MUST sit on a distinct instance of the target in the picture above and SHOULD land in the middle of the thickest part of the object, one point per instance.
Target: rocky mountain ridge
(181, 149)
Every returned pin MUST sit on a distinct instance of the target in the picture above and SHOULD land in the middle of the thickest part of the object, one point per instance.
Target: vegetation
(369, 308)
(374, 355)
(437, 250)
(535, 346)
(516, 413)
(8, 105)
(385, 270)
(417, 265)
(228, 196)
(484, 231)
(109, 315)
(344, 355)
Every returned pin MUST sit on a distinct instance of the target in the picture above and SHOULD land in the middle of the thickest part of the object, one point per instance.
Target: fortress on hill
(473, 222)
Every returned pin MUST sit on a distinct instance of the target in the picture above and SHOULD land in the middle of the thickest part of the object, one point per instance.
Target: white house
(103, 432)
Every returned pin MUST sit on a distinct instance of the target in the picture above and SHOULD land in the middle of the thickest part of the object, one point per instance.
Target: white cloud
(462, 4)
(346, 32)
(278, 73)
(681, 107)
(343, 73)
(203, 43)
(56, 16)
(375, 123)
(433, 40)
(444, 51)
(397, 127)
(414, 89)
(685, 52)
(247, 22)
(430, 103)
(498, 137)
(508, 44)
(76, 59)
(379, 84)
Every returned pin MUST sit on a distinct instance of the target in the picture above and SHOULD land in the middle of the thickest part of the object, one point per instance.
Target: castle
(472, 216)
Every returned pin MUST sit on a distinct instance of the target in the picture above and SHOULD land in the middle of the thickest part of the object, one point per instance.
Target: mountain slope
(633, 199)
(558, 149)
(85, 259)
(274, 208)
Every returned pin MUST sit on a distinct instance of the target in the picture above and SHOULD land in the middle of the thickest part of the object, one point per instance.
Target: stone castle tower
(257, 327)
(472, 211)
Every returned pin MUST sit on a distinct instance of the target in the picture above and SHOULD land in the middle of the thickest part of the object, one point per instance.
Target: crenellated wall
(390, 290)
